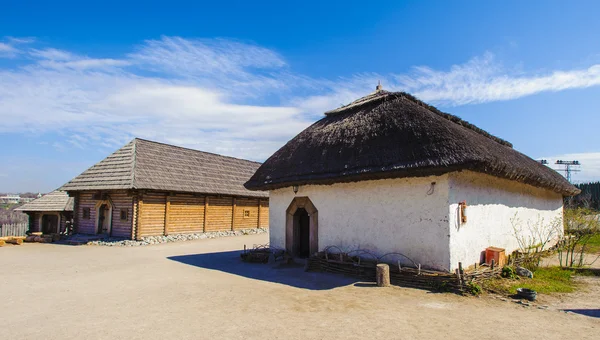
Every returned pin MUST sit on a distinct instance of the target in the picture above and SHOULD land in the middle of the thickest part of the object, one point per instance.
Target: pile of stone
(116, 242)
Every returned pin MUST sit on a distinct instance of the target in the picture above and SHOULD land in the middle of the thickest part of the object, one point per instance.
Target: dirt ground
(200, 290)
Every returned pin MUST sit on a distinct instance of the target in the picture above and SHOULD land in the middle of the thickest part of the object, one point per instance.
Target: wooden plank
(233, 214)
(205, 213)
(167, 207)
(259, 206)
(140, 218)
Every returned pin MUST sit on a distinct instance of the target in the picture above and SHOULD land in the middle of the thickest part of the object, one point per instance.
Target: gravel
(119, 242)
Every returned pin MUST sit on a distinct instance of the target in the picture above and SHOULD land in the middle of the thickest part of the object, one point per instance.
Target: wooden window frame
(246, 213)
(124, 211)
(86, 213)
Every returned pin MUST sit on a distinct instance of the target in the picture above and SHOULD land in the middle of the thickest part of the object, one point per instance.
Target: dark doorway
(49, 224)
(301, 233)
(102, 219)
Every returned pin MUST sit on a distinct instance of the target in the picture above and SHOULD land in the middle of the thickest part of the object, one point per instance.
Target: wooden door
(49, 224)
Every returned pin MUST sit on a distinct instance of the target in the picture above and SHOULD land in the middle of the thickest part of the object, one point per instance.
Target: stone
(524, 272)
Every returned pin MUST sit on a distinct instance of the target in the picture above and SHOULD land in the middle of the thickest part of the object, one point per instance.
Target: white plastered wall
(392, 215)
(492, 205)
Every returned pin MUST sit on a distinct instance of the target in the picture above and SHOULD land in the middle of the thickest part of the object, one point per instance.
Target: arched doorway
(302, 232)
(103, 217)
(301, 246)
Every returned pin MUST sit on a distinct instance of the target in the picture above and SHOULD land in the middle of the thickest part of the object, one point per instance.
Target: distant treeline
(8, 215)
(23, 194)
(588, 198)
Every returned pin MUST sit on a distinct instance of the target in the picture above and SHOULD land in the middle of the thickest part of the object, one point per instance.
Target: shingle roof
(390, 135)
(143, 164)
(55, 201)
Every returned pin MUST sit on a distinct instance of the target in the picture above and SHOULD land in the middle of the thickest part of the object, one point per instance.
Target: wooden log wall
(219, 214)
(264, 213)
(120, 200)
(152, 215)
(166, 214)
(86, 225)
(185, 215)
(34, 219)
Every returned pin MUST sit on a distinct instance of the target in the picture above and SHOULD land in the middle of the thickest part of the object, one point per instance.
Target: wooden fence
(17, 229)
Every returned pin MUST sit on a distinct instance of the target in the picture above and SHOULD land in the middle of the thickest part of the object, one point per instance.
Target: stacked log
(2, 243)
(15, 241)
(45, 238)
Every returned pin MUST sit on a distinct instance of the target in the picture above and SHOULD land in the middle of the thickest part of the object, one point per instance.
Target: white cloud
(482, 80)
(7, 51)
(210, 94)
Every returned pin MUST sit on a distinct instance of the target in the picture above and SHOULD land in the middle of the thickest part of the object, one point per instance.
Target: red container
(496, 254)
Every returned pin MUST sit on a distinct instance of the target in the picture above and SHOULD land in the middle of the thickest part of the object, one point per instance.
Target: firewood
(15, 241)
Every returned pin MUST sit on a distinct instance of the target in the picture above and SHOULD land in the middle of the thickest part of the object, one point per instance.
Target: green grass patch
(593, 244)
(545, 280)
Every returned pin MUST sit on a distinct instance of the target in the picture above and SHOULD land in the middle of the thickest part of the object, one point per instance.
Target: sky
(80, 79)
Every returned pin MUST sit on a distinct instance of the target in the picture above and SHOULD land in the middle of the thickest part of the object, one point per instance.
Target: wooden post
(258, 225)
(383, 275)
(167, 208)
(140, 221)
(461, 274)
(205, 213)
(233, 214)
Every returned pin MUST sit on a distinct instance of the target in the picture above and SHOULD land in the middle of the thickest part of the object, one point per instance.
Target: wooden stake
(383, 275)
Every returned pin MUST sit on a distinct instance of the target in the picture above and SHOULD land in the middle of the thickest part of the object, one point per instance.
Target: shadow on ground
(595, 313)
(291, 275)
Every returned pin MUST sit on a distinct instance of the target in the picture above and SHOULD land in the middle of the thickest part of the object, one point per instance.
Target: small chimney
(378, 88)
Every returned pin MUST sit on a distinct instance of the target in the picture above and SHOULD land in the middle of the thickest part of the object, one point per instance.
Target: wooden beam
(233, 214)
(167, 208)
(258, 226)
(139, 218)
(205, 213)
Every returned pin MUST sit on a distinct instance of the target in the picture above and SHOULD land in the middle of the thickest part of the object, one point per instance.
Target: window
(124, 214)
(86, 213)
(246, 213)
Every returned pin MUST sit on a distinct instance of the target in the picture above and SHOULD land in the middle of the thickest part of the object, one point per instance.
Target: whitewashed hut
(389, 173)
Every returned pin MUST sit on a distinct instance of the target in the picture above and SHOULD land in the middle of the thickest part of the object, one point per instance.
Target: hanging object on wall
(463, 211)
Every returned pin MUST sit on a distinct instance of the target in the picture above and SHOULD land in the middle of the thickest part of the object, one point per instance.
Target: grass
(593, 245)
(545, 280)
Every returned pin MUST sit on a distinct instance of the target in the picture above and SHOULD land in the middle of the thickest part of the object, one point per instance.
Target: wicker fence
(412, 275)
(17, 229)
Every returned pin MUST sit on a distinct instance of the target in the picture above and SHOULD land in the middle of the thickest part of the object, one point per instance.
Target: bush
(474, 288)
(509, 272)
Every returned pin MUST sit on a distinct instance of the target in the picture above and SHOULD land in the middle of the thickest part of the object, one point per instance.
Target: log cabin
(49, 214)
(148, 188)
(389, 173)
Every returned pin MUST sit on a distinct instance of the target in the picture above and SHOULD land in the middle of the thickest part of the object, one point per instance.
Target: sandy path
(200, 290)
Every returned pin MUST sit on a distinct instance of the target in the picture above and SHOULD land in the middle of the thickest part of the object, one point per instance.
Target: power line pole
(568, 167)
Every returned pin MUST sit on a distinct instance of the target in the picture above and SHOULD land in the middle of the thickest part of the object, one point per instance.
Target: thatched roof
(55, 201)
(143, 164)
(390, 135)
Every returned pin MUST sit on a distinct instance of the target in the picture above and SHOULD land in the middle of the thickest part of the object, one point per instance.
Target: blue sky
(78, 80)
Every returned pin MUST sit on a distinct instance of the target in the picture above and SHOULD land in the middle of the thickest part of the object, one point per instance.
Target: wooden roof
(143, 164)
(55, 201)
(391, 135)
